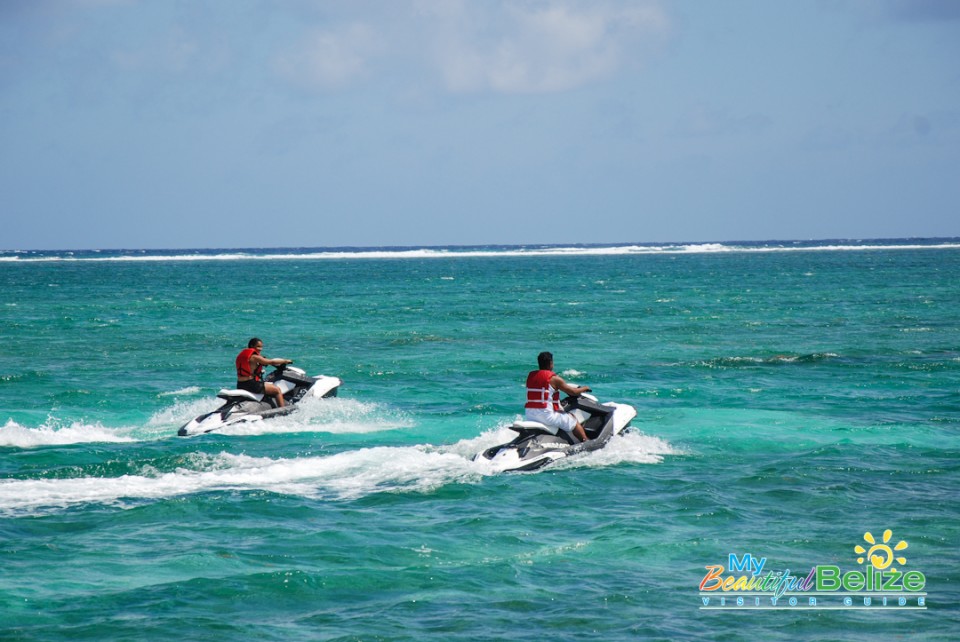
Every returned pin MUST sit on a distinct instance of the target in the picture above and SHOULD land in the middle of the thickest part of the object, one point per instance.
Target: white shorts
(550, 417)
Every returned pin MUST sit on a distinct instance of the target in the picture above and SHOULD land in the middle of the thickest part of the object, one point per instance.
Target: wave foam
(346, 475)
(334, 416)
(189, 390)
(343, 476)
(17, 436)
(631, 447)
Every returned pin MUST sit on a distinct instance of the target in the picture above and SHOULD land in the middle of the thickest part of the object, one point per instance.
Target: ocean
(794, 463)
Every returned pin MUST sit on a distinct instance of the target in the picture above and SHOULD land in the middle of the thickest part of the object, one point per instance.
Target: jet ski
(537, 445)
(242, 405)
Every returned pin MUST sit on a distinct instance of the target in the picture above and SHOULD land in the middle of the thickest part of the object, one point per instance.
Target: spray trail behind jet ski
(347, 475)
(52, 433)
(331, 416)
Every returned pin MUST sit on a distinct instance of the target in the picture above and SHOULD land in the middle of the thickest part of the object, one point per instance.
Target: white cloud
(505, 46)
(520, 47)
(329, 58)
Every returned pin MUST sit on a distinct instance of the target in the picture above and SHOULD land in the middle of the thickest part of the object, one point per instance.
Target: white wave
(631, 447)
(189, 390)
(183, 411)
(428, 253)
(707, 247)
(17, 436)
(335, 415)
(468, 448)
(345, 475)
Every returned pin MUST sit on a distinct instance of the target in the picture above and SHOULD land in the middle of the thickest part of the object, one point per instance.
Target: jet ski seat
(520, 426)
(226, 393)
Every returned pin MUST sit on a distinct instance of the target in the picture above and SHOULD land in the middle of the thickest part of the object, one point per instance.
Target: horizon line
(471, 246)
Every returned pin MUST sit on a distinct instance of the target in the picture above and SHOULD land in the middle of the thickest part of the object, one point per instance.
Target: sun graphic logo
(880, 555)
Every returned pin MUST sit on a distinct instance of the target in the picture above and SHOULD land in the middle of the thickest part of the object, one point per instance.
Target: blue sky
(242, 123)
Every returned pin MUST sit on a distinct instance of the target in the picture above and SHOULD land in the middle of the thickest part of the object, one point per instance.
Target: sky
(165, 124)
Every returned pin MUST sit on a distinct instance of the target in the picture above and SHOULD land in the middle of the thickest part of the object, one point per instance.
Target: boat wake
(333, 416)
(52, 433)
(347, 475)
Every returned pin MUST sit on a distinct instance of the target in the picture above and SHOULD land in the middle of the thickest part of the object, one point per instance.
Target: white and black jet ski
(242, 406)
(537, 445)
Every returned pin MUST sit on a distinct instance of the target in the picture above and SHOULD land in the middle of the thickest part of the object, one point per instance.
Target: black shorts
(254, 386)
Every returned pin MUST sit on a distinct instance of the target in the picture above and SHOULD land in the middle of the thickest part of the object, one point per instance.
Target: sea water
(795, 401)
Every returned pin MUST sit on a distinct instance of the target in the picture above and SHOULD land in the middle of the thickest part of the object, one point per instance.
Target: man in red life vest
(250, 371)
(543, 398)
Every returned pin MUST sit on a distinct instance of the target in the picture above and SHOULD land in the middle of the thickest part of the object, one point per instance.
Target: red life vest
(243, 365)
(538, 390)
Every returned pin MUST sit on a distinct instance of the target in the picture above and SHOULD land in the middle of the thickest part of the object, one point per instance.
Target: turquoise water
(790, 397)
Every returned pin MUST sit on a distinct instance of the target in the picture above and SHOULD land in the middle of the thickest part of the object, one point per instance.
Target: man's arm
(269, 362)
(557, 382)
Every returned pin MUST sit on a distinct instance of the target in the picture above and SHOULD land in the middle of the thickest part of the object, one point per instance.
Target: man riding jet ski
(257, 397)
(250, 364)
(553, 428)
(543, 397)
(537, 445)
